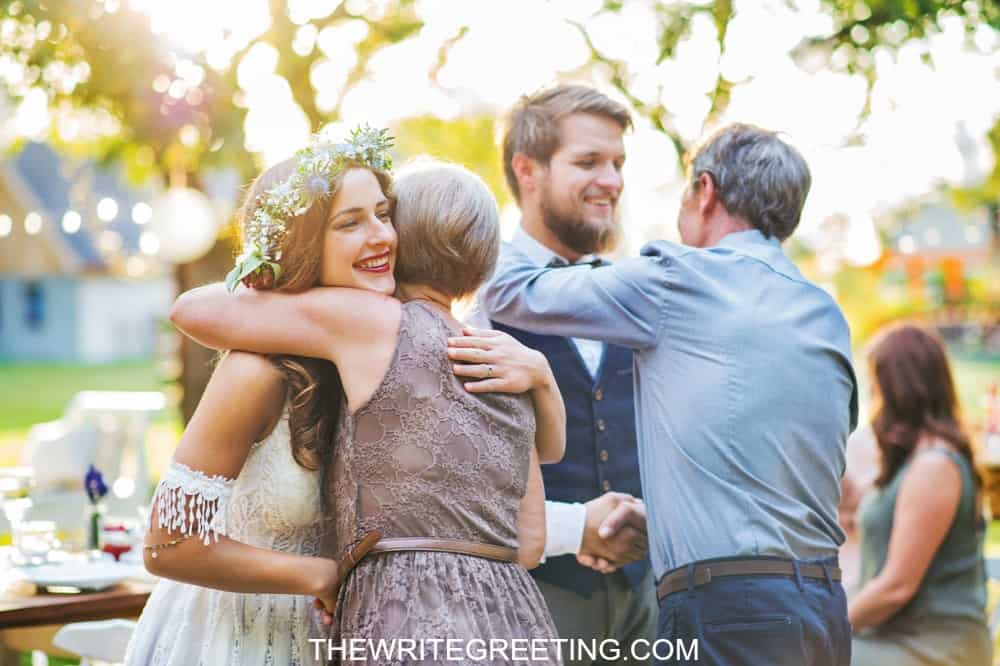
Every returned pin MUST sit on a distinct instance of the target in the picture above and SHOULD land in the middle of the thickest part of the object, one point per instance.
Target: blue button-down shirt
(745, 393)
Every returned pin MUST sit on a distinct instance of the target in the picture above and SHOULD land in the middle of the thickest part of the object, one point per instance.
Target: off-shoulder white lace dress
(274, 503)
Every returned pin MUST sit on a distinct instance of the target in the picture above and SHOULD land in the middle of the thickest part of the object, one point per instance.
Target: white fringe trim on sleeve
(190, 502)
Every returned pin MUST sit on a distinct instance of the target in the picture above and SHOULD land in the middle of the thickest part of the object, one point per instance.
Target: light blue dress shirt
(745, 393)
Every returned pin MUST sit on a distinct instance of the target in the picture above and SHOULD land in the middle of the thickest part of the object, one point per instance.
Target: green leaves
(244, 267)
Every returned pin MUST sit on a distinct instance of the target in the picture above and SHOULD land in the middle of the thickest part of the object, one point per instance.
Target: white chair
(96, 643)
(122, 419)
(106, 429)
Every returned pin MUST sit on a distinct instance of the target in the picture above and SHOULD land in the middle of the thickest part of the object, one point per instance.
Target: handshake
(614, 533)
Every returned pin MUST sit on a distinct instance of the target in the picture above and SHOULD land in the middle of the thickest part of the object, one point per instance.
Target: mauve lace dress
(426, 458)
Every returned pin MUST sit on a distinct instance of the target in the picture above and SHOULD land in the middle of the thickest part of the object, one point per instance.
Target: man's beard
(576, 234)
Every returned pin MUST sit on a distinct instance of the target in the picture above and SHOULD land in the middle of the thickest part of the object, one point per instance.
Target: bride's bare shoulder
(246, 366)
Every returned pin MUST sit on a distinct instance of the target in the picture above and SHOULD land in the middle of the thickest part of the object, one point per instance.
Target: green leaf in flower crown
(242, 269)
(233, 279)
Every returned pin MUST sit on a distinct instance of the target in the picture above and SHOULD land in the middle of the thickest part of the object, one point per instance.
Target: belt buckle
(708, 576)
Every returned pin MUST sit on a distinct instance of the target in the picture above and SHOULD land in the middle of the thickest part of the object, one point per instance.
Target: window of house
(34, 304)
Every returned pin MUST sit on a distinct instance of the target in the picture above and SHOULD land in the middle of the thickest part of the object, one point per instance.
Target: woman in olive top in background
(923, 586)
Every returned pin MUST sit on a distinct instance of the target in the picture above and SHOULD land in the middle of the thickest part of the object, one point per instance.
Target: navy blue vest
(601, 453)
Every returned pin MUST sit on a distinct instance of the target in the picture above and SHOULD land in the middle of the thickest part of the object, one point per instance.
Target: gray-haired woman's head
(448, 226)
(757, 176)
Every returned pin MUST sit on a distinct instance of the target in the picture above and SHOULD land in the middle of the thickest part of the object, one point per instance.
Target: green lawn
(30, 392)
(992, 543)
(33, 392)
(973, 374)
(53, 661)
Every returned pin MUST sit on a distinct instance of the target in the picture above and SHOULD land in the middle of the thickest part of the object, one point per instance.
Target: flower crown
(316, 166)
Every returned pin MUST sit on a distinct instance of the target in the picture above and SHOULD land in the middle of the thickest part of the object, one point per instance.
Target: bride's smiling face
(359, 244)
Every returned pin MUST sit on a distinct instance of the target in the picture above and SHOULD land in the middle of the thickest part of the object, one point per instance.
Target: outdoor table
(29, 623)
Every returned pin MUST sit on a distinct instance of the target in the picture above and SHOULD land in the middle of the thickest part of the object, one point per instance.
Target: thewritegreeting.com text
(502, 649)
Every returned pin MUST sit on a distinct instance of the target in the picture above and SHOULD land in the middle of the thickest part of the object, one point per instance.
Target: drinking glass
(15, 485)
(33, 540)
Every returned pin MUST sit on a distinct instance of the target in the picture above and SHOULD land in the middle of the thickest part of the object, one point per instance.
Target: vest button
(606, 485)
(604, 455)
(598, 395)
(600, 425)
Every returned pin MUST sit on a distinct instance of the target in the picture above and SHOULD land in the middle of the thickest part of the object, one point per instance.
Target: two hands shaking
(614, 533)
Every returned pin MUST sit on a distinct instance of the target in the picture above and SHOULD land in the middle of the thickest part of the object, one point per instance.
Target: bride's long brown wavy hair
(914, 397)
(314, 389)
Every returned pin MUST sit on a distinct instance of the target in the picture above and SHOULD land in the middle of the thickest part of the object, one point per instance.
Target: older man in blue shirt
(745, 396)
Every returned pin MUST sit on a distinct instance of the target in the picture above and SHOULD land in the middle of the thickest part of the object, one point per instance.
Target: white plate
(81, 575)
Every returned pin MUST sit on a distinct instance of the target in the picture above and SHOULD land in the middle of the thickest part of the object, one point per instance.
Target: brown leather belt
(676, 580)
(397, 544)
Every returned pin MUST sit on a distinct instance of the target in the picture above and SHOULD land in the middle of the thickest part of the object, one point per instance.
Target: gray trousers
(615, 611)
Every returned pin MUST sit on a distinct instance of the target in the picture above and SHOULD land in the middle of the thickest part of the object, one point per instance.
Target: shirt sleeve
(564, 523)
(622, 303)
(190, 503)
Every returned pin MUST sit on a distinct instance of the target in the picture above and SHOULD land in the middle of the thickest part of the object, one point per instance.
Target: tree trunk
(197, 362)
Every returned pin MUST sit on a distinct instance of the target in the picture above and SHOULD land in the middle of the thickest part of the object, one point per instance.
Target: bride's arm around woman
(212, 571)
(241, 405)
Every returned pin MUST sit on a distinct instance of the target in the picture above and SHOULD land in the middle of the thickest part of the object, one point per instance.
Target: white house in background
(61, 297)
(936, 230)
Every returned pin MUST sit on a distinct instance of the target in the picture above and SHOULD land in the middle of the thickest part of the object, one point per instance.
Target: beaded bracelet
(155, 548)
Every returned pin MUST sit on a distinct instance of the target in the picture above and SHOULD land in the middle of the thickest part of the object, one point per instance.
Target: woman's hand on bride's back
(494, 361)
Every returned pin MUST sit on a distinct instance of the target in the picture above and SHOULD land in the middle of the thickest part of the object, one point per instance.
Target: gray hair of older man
(757, 176)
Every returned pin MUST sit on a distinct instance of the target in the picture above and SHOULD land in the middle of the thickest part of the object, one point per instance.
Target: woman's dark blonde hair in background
(313, 385)
(914, 397)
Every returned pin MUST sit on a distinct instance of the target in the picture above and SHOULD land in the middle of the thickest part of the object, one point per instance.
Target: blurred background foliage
(120, 89)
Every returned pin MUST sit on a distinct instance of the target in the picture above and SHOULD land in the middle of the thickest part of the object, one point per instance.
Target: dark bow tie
(559, 262)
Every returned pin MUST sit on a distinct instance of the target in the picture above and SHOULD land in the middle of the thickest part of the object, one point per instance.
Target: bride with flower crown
(238, 518)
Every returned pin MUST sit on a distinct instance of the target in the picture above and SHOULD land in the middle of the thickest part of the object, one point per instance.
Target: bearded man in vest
(563, 155)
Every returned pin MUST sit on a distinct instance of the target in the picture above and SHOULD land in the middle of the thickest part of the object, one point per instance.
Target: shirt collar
(748, 238)
(753, 243)
(536, 252)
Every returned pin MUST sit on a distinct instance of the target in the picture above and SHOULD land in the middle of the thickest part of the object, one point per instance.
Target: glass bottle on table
(96, 489)
(15, 487)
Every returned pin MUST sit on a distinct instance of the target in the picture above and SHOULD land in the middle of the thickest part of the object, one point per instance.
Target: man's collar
(754, 244)
(748, 238)
(539, 254)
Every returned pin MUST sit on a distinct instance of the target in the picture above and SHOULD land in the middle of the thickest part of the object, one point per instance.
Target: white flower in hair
(318, 186)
